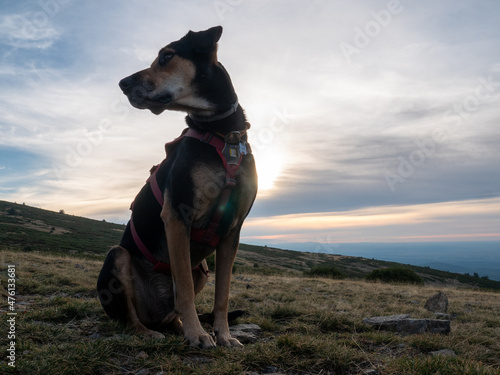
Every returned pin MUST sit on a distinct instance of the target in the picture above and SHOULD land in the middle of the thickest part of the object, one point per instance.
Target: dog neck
(229, 121)
(220, 116)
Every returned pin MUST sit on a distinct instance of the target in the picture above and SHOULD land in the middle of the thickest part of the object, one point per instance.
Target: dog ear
(205, 41)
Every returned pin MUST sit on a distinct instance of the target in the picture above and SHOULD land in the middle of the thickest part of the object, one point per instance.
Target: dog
(193, 204)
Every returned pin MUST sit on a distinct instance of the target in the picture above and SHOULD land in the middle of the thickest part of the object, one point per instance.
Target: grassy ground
(309, 326)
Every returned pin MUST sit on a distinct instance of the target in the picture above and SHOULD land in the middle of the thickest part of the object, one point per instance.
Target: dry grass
(310, 326)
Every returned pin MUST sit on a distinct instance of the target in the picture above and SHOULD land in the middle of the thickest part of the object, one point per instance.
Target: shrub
(11, 211)
(395, 275)
(325, 271)
(28, 248)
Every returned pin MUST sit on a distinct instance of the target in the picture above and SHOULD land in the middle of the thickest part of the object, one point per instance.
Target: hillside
(34, 229)
(25, 228)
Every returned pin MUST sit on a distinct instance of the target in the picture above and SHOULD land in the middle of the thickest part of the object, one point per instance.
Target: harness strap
(158, 266)
(153, 182)
(231, 155)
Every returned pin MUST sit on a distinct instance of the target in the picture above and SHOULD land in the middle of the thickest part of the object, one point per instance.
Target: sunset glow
(389, 135)
(408, 221)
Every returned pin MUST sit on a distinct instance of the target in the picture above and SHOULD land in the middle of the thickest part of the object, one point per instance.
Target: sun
(269, 168)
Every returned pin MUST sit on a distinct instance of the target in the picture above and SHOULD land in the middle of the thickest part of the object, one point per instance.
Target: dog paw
(229, 342)
(153, 334)
(204, 341)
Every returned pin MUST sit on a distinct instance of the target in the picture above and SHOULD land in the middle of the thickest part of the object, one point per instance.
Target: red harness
(231, 152)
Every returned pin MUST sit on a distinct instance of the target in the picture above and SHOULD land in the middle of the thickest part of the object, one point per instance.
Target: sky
(372, 121)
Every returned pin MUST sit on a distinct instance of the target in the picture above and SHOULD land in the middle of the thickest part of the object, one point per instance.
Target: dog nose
(126, 83)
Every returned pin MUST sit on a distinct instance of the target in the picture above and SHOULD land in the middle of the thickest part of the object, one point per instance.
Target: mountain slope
(29, 228)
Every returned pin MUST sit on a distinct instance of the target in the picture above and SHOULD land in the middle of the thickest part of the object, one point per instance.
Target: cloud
(28, 31)
(446, 220)
(330, 127)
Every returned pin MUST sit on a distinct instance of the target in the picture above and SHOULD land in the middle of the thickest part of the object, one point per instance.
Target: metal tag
(231, 153)
(243, 148)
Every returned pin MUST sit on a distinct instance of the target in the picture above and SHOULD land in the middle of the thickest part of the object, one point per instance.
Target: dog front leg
(180, 259)
(225, 255)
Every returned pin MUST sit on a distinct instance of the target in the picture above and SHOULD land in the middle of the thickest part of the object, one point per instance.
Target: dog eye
(166, 57)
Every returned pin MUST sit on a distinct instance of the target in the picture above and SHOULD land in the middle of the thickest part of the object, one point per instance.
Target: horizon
(279, 245)
(466, 257)
(371, 122)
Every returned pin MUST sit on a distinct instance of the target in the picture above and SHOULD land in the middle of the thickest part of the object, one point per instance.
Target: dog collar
(218, 117)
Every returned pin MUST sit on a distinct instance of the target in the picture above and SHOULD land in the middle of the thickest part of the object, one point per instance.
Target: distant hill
(27, 229)
(472, 257)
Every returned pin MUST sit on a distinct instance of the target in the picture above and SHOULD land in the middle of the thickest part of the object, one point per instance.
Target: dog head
(185, 76)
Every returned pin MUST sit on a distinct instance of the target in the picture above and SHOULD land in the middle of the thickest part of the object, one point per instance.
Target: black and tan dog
(194, 203)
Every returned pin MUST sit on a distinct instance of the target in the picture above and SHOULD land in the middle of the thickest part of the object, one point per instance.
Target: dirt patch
(43, 227)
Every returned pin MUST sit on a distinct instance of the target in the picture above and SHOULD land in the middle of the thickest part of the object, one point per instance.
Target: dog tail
(110, 290)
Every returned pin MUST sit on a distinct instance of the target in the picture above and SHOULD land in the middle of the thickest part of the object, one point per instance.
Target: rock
(444, 352)
(383, 321)
(415, 326)
(405, 325)
(270, 370)
(245, 333)
(252, 328)
(438, 303)
(142, 355)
